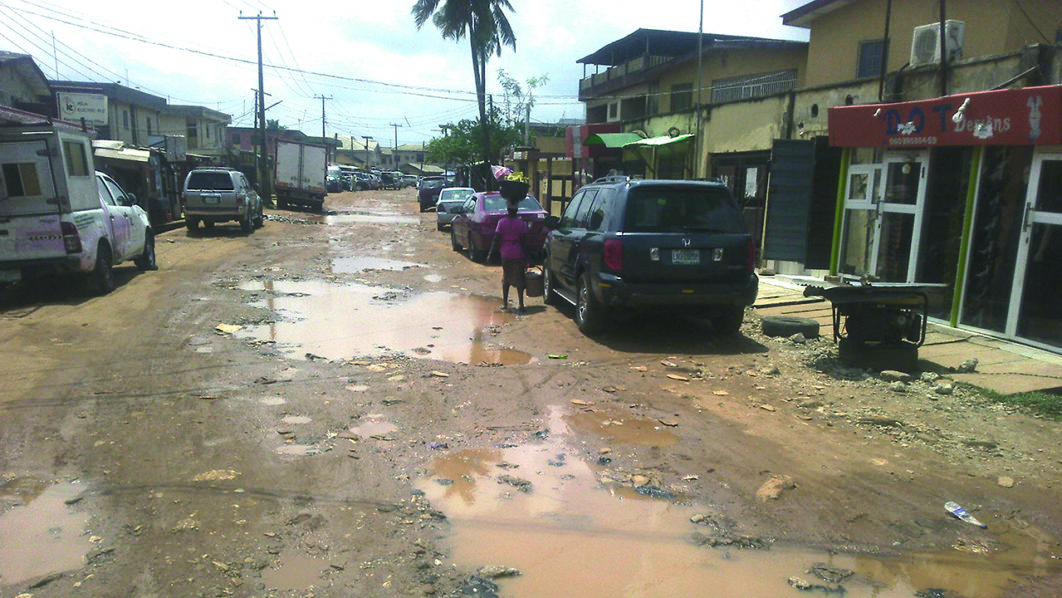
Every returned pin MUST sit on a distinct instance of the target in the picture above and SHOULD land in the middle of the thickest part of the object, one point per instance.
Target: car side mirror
(130, 200)
(552, 222)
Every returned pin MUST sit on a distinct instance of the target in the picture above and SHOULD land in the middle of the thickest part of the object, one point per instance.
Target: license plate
(685, 257)
(10, 275)
(211, 199)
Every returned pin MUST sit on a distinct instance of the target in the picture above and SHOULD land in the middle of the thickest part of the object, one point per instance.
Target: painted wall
(991, 27)
(722, 64)
(745, 126)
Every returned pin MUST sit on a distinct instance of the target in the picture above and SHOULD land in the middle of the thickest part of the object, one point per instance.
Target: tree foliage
(462, 142)
(519, 98)
(487, 28)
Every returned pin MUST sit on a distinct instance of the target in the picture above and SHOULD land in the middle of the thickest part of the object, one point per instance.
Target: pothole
(294, 571)
(320, 319)
(45, 535)
(566, 523)
(355, 264)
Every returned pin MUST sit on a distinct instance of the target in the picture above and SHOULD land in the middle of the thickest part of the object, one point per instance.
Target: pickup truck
(57, 214)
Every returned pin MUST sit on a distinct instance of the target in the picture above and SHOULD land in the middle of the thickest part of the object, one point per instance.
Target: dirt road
(367, 422)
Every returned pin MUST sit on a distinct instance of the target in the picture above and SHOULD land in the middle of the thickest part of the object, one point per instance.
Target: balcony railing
(632, 72)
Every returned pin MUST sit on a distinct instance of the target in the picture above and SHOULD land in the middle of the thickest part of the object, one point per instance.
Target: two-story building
(118, 112)
(23, 84)
(202, 128)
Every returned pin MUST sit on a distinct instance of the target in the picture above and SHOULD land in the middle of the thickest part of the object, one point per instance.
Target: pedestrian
(509, 238)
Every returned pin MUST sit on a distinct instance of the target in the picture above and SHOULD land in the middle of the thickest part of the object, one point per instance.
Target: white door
(899, 222)
(1034, 313)
(863, 194)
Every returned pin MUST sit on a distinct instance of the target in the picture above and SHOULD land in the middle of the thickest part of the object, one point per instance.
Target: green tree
(519, 100)
(274, 125)
(462, 141)
(487, 28)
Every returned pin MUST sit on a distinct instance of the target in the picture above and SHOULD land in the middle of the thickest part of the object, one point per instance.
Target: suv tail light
(71, 240)
(614, 254)
(750, 259)
(240, 198)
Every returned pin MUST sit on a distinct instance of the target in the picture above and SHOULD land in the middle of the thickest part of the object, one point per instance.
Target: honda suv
(218, 195)
(665, 245)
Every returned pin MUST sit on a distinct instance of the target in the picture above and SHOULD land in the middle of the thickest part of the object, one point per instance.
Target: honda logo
(686, 242)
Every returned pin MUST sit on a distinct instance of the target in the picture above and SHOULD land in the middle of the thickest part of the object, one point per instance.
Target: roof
(351, 142)
(804, 15)
(200, 111)
(659, 42)
(14, 117)
(33, 73)
(114, 91)
(117, 150)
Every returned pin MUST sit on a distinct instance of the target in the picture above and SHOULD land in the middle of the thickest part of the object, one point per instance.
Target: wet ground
(336, 406)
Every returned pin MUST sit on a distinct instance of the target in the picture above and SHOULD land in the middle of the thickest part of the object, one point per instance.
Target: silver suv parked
(219, 195)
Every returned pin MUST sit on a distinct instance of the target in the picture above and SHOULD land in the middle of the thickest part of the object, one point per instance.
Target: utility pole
(697, 103)
(263, 177)
(527, 126)
(324, 139)
(394, 155)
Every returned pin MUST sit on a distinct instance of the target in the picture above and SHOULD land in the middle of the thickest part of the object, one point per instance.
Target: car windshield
(216, 181)
(455, 194)
(682, 209)
(496, 203)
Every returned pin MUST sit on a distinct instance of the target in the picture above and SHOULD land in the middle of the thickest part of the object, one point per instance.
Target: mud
(45, 535)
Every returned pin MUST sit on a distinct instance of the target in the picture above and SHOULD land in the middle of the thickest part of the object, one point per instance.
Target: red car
(473, 227)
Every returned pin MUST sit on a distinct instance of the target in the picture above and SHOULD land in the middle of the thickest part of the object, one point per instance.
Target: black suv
(651, 244)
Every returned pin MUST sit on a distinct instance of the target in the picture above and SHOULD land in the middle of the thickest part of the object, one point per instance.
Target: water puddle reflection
(294, 572)
(622, 427)
(373, 424)
(369, 218)
(45, 535)
(543, 510)
(343, 321)
(355, 264)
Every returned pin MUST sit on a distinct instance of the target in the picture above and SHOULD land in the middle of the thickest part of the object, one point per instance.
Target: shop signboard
(89, 106)
(1028, 116)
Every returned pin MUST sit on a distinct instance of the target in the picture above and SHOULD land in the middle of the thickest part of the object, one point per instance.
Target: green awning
(613, 140)
(659, 141)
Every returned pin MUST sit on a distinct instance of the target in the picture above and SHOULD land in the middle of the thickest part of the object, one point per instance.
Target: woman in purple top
(509, 238)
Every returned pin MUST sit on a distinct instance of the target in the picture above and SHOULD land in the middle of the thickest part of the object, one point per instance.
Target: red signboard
(1028, 116)
(575, 135)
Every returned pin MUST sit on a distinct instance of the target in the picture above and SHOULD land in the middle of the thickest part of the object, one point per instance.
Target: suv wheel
(549, 291)
(588, 314)
(453, 241)
(191, 223)
(146, 260)
(102, 275)
(259, 220)
(728, 321)
(246, 225)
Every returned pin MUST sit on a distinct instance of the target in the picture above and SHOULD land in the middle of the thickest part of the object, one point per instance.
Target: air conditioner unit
(925, 43)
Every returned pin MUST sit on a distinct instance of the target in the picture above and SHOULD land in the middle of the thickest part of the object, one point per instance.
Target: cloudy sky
(366, 56)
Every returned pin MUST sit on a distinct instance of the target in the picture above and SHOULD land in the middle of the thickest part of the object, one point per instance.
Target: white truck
(300, 174)
(57, 214)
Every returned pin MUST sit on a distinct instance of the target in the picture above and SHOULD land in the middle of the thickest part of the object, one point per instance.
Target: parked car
(450, 198)
(428, 191)
(333, 179)
(410, 180)
(655, 244)
(473, 227)
(58, 215)
(215, 194)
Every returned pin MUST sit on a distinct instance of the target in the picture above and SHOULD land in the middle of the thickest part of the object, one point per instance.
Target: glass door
(1034, 313)
(899, 224)
(860, 220)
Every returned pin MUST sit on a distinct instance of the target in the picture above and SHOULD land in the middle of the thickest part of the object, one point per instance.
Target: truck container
(300, 174)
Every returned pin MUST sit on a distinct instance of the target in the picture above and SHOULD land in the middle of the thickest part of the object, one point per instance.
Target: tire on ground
(789, 325)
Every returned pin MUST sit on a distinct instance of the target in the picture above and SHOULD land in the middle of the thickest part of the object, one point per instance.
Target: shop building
(964, 192)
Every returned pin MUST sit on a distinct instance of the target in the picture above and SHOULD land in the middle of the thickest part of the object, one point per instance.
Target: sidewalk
(1003, 366)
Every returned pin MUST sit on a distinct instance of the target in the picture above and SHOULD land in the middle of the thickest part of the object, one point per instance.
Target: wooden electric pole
(263, 160)
(324, 138)
(394, 155)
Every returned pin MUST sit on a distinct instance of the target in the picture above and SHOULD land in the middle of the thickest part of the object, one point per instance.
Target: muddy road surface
(335, 405)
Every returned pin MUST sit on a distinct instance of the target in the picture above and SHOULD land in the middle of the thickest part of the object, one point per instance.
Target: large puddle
(342, 321)
(356, 264)
(369, 218)
(565, 523)
(44, 535)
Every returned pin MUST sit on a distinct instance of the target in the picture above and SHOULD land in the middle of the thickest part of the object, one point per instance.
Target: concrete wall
(723, 64)
(991, 27)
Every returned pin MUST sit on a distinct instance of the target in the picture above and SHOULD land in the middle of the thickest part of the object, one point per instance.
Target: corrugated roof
(657, 42)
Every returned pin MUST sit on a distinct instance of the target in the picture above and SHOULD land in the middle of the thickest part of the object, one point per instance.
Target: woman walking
(509, 237)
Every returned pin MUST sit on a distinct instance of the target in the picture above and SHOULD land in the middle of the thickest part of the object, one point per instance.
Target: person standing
(509, 239)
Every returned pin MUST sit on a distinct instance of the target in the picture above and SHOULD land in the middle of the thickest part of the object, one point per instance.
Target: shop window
(681, 96)
(995, 236)
(613, 110)
(938, 257)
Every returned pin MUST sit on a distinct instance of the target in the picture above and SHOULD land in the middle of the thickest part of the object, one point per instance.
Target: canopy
(659, 141)
(612, 140)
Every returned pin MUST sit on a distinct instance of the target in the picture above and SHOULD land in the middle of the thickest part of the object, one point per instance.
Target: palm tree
(487, 28)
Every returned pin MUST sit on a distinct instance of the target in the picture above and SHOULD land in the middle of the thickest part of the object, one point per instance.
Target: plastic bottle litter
(960, 513)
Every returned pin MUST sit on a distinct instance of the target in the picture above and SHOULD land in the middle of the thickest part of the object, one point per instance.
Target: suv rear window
(497, 203)
(218, 181)
(432, 183)
(682, 209)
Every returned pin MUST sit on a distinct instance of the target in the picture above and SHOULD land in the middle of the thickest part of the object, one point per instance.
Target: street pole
(263, 160)
(700, 84)
(394, 155)
(324, 138)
